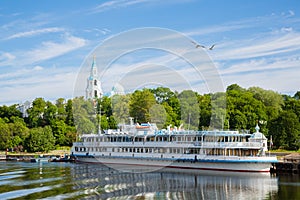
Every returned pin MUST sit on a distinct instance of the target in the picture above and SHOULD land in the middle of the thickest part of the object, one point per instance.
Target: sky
(46, 46)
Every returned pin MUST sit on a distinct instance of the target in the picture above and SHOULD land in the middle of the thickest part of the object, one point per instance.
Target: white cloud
(291, 12)
(6, 57)
(28, 84)
(113, 4)
(51, 49)
(266, 46)
(116, 4)
(38, 68)
(35, 32)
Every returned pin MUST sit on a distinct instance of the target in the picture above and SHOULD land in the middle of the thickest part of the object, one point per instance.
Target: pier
(289, 164)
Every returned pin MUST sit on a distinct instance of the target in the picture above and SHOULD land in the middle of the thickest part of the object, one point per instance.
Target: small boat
(41, 158)
(65, 158)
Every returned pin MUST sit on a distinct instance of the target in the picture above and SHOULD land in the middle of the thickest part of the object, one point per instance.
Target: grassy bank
(59, 151)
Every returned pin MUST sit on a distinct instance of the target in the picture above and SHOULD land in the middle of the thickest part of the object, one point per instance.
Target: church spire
(94, 67)
(93, 89)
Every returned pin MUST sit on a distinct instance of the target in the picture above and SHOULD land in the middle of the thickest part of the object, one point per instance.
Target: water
(82, 181)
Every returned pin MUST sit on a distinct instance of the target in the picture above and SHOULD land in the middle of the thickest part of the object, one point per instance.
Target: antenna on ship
(99, 119)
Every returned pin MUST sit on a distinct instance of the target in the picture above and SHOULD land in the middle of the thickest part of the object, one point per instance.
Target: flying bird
(198, 45)
(204, 47)
(212, 46)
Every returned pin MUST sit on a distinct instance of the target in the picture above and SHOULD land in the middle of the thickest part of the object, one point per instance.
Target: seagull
(212, 46)
(198, 45)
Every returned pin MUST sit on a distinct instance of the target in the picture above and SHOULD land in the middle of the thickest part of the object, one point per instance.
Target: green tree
(84, 113)
(5, 135)
(218, 110)
(172, 111)
(285, 130)
(19, 133)
(50, 114)
(69, 113)
(61, 110)
(36, 113)
(162, 94)
(297, 95)
(190, 112)
(9, 111)
(272, 100)
(205, 111)
(59, 130)
(244, 110)
(120, 108)
(40, 140)
(140, 103)
(106, 106)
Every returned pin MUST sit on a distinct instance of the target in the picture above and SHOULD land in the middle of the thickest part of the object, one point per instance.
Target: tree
(162, 94)
(84, 115)
(106, 107)
(218, 110)
(297, 95)
(59, 130)
(5, 135)
(272, 101)
(244, 110)
(205, 111)
(190, 112)
(36, 113)
(285, 130)
(172, 107)
(9, 112)
(158, 115)
(69, 113)
(50, 114)
(293, 105)
(40, 140)
(19, 133)
(120, 108)
(140, 103)
(61, 110)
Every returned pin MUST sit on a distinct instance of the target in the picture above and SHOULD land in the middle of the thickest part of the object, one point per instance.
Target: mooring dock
(289, 164)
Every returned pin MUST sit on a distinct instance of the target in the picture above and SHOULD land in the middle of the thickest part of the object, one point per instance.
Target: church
(93, 89)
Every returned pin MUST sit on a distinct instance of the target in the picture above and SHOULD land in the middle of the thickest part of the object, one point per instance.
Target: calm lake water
(20, 180)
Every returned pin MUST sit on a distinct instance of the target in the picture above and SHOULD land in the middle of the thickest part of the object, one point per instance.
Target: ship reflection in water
(99, 181)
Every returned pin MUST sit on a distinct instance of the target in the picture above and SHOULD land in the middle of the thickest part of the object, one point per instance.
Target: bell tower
(93, 89)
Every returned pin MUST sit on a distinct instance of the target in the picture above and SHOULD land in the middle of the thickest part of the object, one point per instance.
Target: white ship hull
(208, 164)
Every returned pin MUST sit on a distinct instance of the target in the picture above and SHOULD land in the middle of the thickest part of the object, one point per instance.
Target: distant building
(93, 89)
(117, 89)
(24, 107)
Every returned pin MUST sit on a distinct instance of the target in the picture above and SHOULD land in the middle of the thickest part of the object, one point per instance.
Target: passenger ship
(144, 146)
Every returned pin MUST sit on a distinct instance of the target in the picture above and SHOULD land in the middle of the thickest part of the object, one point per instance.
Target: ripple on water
(23, 192)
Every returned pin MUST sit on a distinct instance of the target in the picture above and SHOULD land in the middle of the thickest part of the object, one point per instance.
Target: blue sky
(44, 44)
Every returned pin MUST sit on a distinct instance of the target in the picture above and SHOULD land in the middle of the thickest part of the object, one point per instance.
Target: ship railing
(230, 144)
(173, 144)
(79, 144)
